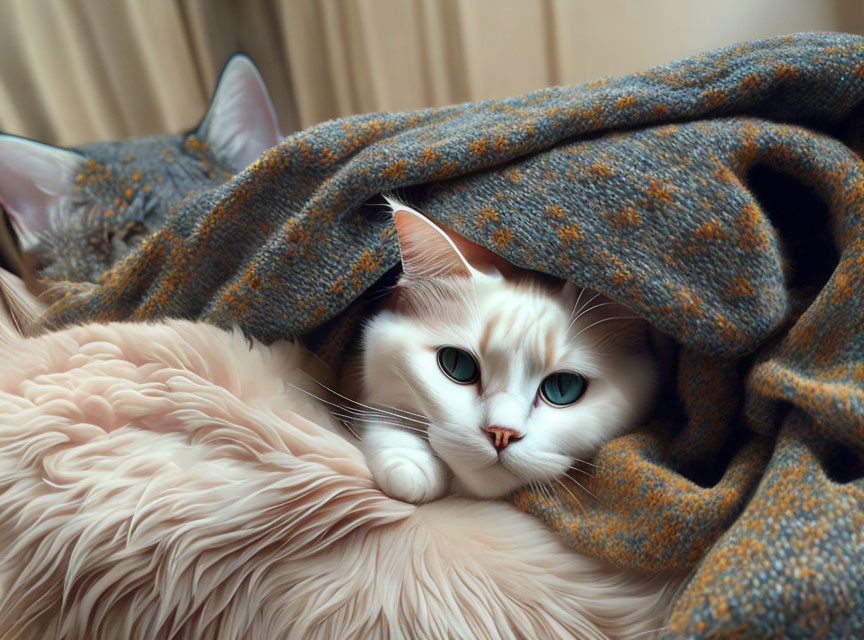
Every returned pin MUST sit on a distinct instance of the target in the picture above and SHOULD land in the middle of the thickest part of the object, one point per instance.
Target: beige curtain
(79, 70)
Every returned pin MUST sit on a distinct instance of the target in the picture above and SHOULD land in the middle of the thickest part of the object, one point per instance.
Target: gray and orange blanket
(721, 197)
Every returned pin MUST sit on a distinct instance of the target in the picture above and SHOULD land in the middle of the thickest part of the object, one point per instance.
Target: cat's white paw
(411, 475)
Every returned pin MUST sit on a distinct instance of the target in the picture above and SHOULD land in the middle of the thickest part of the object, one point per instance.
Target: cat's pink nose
(502, 436)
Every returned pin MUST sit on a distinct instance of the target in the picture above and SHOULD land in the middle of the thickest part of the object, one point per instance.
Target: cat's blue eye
(563, 388)
(459, 365)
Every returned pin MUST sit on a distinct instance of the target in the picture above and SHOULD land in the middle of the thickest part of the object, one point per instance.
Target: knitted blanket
(720, 197)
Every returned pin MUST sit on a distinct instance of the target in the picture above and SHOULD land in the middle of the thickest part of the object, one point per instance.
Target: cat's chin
(489, 482)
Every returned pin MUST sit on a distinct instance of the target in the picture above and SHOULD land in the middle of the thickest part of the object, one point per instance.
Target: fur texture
(419, 424)
(175, 481)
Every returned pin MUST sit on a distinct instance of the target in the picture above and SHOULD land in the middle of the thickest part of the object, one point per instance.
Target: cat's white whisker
(590, 475)
(553, 495)
(366, 414)
(383, 422)
(419, 415)
(405, 411)
(594, 324)
(581, 486)
(370, 417)
(319, 398)
(543, 490)
(550, 494)
(582, 314)
(347, 425)
(423, 395)
(588, 302)
(590, 464)
(419, 432)
(385, 292)
(578, 502)
(360, 404)
(649, 632)
(578, 298)
(539, 489)
(342, 417)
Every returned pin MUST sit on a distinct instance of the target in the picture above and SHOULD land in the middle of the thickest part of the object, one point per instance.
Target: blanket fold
(720, 197)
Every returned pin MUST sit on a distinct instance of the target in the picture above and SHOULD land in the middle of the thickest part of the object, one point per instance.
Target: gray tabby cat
(76, 212)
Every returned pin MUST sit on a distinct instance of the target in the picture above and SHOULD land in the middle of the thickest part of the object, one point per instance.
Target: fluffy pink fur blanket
(173, 481)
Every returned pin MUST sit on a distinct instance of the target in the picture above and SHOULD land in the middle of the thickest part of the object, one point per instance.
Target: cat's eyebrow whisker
(578, 298)
(360, 404)
(587, 302)
(599, 353)
(610, 337)
(606, 320)
(587, 311)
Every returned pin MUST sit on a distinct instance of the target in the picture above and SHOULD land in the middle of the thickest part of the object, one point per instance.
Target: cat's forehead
(523, 323)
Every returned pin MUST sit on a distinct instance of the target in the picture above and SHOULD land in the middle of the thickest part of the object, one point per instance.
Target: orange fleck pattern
(570, 233)
(720, 197)
(625, 101)
(501, 237)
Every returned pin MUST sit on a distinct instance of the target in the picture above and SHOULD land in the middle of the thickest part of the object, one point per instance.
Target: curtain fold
(73, 71)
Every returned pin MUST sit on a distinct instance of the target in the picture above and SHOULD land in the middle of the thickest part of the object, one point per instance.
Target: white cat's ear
(35, 179)
(426, 249)
(241, 122)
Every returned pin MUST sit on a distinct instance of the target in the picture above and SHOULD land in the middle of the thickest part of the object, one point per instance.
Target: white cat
(481, 382)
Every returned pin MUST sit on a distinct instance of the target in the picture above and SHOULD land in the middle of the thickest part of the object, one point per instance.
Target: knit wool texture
(719, 197)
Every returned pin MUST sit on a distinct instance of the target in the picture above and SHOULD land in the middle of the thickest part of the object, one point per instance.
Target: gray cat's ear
(35, 180)
(426, 250)
(240, 123)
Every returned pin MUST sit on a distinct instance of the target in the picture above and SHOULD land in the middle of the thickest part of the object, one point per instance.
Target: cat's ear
(426, 249)
(240, 123)
(35, 180)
